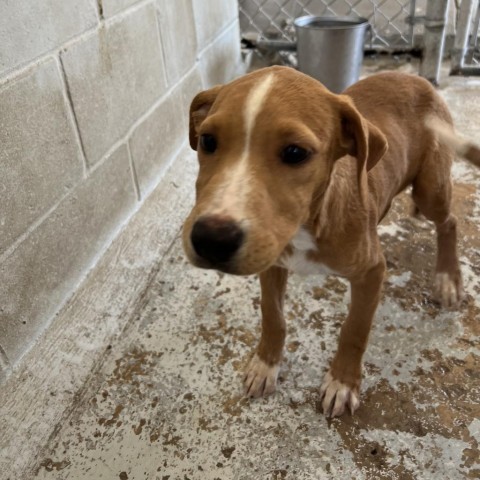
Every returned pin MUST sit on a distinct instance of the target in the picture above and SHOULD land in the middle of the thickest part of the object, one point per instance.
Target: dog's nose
(216, 238)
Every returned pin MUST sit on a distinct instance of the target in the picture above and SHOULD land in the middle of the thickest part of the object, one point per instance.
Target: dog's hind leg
(262, 371)
(432, 193)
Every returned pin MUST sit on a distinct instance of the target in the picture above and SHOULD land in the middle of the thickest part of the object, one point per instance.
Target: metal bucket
(330, 49)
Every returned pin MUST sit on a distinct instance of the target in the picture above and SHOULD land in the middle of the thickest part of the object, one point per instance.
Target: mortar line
(100, 9)
(23, 68)
(220, 34)
(32, 227)
(4, 361)
(67, 92)
(161, 174)
(133, 171)
(162, 48)
(117, 17)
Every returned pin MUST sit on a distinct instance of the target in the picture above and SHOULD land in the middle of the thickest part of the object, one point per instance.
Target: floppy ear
(359, 137)
(199, 109)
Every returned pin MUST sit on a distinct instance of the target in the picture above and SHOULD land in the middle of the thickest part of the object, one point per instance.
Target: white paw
(447, 291)
(260, 378)
(336, 396)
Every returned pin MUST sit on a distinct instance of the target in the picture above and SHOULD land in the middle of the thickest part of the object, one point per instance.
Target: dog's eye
(208, 143)
(293, 155)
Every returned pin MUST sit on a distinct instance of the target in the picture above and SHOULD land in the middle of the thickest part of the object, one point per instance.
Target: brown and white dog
(295, 178)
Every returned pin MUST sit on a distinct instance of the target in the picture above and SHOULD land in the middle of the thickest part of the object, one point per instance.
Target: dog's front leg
(341, 385)
(261, 375)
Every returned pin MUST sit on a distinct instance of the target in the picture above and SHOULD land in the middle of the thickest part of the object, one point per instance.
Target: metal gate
(391, 20)
(465, 52)
(396, 25)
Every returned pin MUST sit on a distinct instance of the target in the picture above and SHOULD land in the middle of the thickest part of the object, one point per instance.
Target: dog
(294, 178)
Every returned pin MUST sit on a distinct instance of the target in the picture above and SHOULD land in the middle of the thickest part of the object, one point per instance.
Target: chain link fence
(396, 26)
(391, 20)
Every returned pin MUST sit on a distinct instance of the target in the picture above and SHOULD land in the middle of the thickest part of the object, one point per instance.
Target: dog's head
(266, 144)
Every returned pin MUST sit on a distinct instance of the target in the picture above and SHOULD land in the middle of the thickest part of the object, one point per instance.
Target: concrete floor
(162, 396)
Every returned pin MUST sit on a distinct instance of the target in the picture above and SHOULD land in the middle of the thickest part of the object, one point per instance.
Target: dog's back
(397, 96)
(398, 104)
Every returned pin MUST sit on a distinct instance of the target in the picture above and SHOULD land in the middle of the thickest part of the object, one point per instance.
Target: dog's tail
(446, 134)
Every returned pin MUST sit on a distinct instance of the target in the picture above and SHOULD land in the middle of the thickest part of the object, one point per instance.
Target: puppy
(294, 178)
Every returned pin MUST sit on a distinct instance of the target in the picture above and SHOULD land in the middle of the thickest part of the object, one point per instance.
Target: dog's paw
(448, 290)
(260, 378)
(335, 396)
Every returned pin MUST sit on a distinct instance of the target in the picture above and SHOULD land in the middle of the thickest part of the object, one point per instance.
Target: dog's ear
(359, 137)
(199, 109)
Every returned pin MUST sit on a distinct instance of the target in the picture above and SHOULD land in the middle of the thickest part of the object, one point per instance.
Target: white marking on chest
(233, 194)
(298, 261)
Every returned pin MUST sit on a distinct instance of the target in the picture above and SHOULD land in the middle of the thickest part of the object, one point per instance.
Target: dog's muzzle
(216, 239)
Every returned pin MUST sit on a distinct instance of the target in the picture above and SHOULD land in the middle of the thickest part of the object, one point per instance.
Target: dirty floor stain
(167, 402)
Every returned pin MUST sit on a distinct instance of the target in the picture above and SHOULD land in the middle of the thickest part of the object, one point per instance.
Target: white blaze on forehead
(255, 100)
(232, 195)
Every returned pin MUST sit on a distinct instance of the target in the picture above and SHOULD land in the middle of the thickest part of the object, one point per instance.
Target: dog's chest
(299, 261)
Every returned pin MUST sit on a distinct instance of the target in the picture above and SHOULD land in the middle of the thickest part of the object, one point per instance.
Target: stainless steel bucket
(330, 49)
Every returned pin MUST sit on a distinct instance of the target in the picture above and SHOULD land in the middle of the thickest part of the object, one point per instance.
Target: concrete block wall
(94, 97)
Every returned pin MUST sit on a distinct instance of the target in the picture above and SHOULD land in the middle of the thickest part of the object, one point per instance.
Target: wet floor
(166, 400)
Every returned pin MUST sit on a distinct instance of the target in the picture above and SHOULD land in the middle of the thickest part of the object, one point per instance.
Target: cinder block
(40, 158)
(177, 31)
(31, 28)
(111, 7)
(220, 63)
(44, 269)
(212, 18)
(158, 137)
(114, 76)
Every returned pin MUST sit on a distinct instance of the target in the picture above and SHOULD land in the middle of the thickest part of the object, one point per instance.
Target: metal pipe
(460, 46)
(277, 45)
(468, 70)
(434, 39)
(413, 5)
